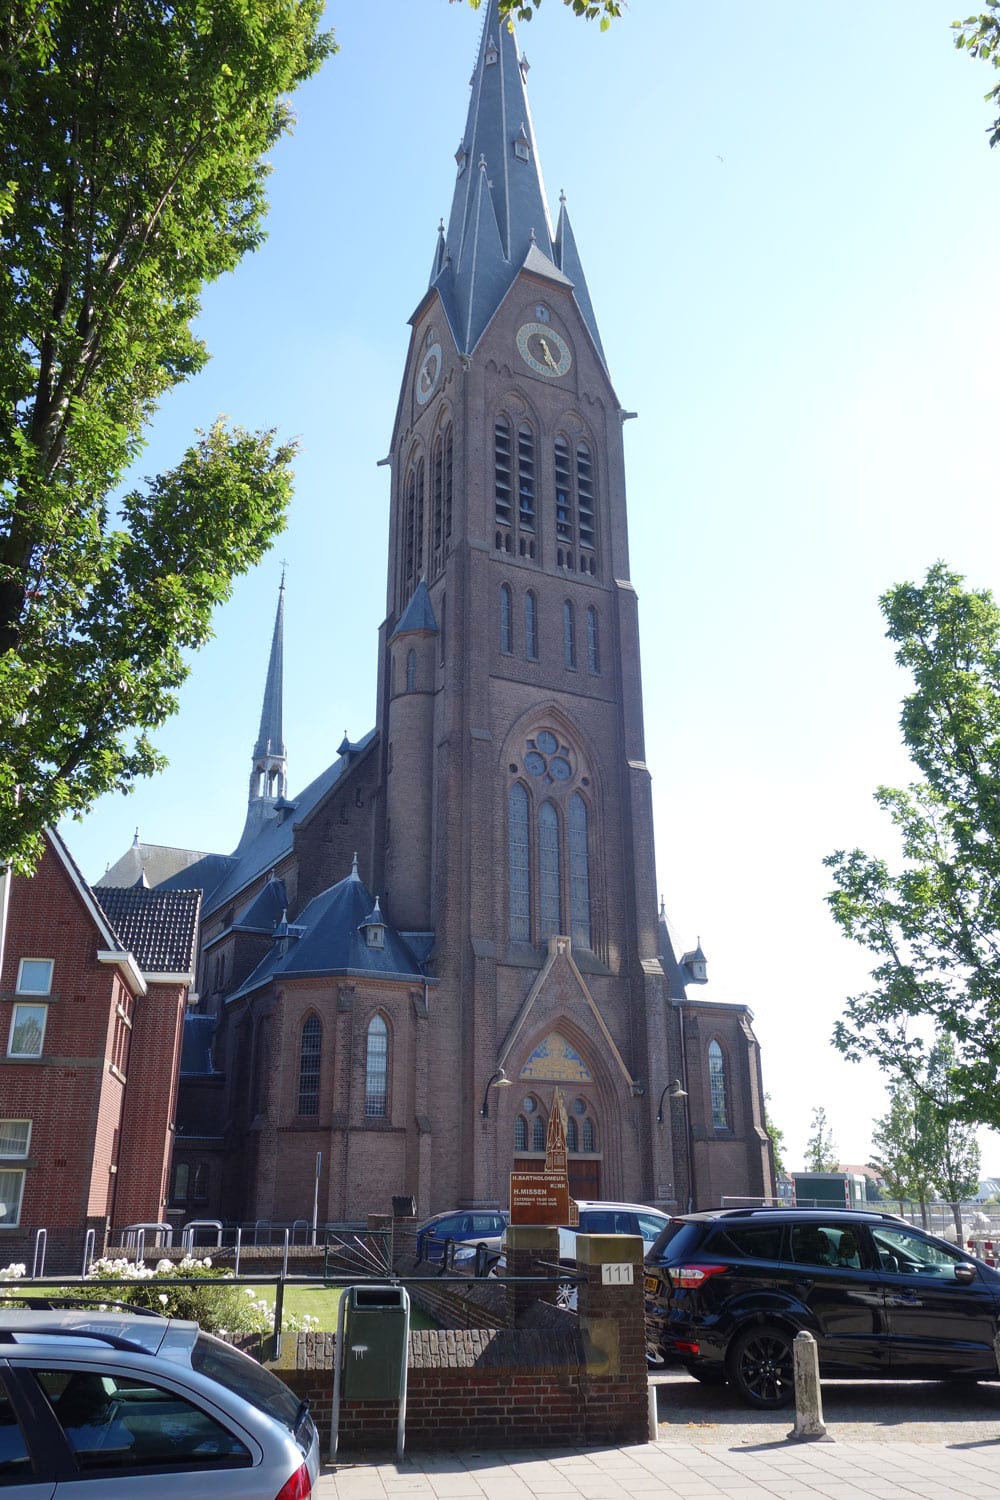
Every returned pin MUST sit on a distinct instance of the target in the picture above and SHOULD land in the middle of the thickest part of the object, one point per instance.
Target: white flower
(164, 1267)
(164, 1298)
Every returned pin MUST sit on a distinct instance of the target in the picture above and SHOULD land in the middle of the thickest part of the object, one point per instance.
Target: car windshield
(243, 1375)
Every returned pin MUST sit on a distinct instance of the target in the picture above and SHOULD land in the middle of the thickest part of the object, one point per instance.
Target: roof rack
(22, 1336)
(812, 1208)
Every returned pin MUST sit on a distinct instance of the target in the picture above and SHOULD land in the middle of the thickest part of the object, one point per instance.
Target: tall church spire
(269, 775)
(499, 214)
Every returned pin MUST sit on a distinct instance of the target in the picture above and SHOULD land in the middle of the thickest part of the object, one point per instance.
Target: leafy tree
(933, 923)
(980, 36)
(591, 10)
(777, 1137)
(892, 1146)
(131, 173)
(821, 1153)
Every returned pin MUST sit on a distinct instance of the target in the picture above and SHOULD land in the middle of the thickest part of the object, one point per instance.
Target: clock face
(543, 350)
(428, 374)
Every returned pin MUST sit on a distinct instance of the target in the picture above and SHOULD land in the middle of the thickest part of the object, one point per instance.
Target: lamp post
(677, 1092)
(498, 1081)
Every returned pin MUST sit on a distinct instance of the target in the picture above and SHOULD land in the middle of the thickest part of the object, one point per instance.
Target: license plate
(651, 1283)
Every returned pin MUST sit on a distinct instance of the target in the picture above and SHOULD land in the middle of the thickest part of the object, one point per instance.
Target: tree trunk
(956, 1210)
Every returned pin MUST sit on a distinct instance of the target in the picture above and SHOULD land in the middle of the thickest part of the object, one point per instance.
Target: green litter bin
(376, 1338)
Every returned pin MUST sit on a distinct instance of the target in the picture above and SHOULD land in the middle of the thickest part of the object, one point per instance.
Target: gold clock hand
(547, 352)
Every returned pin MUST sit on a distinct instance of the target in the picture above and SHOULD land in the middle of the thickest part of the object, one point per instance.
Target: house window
(180, 1188)
(27, 1031)
(14, 1137)
(11, 1194)
(519, 859)
(717, 1086)
(34, 976)
(506, 635)
(377, 1069)
(569, 637)
(530, 626)
(593, 645)
(199, 1182)
(310, 1052)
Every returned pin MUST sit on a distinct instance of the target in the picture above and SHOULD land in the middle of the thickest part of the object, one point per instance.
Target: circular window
(579, 1106)
(547, 742)
(534, 763)
(560, 769)
(529, 1105)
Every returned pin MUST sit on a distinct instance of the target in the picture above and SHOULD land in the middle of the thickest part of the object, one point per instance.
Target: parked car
(727, 1291)
(612, 1218)
(470, 1227)
(128, 1407)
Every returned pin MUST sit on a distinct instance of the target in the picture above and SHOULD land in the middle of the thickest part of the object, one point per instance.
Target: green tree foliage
(919, 1146)
(605, 11)
(980, 36)
(131, 173)
(777, 1137)
(821, 1153)
(933, 922)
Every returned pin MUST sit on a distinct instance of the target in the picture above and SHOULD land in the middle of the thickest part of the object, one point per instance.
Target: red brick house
(93, 992)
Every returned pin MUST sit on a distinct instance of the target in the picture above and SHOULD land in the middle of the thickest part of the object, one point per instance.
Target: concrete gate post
(611, 1311)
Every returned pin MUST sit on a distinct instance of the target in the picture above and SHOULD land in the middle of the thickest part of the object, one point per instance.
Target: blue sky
(788, 220)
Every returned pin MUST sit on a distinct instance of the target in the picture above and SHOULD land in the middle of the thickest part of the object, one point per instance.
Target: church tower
(515, 818)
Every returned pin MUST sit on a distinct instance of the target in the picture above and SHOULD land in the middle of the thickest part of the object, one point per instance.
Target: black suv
(727, 1291)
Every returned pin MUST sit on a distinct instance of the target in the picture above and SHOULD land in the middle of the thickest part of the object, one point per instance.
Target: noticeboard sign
(539, 1198)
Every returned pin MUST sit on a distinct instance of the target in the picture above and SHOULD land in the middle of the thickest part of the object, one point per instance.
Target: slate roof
(418, 614)
(269, 735)
(499, 217)
(266, 909)
(159, 928)
(158, 862)
(672, 969)
(326, 938)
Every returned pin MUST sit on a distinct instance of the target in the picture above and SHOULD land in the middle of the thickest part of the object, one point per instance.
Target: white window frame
(23, 988)
(33, 1005)
(11, 1221)
(15, 1155)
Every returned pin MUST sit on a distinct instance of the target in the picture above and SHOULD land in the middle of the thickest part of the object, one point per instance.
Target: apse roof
(327, 938)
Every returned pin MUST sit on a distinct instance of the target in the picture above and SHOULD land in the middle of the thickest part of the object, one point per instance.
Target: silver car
(116, 1406)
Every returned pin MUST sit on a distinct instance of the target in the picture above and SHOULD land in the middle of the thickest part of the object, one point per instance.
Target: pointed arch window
(377, 1069)
(569, 636)
(413, 528)
(506, 632)
(538, 1133)
(519, 865)
(717, 1086)
(520, 1133)
(550, 882)
(502, 464)
(588, 1136)
(525, 478)
(579, 872)
(411, 670)
(531, 626)
(593, 642)
(572, 1140)
(310, 1056)
(515, 486)
(576, 506)
(441, 489)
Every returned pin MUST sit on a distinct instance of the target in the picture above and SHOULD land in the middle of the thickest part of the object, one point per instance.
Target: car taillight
(692, 1277)
(299, 1487)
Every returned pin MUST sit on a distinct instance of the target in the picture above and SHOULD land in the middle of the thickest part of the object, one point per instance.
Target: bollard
(996, 1349)
(808, 1395)
(654, 1416)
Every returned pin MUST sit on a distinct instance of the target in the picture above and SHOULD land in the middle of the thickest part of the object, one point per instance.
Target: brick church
(399, 964)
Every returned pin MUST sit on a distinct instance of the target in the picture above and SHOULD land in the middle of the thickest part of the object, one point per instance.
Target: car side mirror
(965, 1272)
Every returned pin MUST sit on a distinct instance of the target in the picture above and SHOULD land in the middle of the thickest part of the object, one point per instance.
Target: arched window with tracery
(579, 872)
(377, 1069)
(310, 1056)
(519, 862)
(550, 878)
(717, 1086)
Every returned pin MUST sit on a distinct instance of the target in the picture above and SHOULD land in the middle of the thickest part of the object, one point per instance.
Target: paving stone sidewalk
(791, 1471)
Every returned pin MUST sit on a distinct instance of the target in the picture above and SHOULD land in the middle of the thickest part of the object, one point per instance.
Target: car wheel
(760, 1366)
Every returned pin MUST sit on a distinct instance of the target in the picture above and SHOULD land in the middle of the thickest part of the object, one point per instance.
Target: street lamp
(498, 1081)
(674, 1093)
